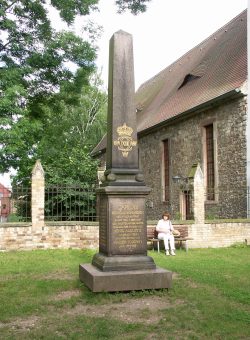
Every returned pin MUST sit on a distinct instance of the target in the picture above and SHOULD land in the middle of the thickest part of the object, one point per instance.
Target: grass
(41, 298)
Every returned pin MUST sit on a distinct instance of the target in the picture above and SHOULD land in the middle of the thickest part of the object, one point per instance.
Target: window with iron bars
(166, 194)
(210, 174)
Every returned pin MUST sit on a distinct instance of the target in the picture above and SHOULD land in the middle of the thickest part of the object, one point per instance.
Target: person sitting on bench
(165, 232)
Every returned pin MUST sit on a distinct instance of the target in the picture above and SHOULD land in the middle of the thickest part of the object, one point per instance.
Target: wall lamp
(180, 179)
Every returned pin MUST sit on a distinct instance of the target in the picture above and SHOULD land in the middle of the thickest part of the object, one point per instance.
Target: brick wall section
(185, 145)
(218, 234)
(52, 236)
(37, 193)
(214, 235)
(199, 197)
(21, 236)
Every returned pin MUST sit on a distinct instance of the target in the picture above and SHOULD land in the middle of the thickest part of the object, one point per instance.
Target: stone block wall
(21, 236)
(185, 147)
(218, 234)
(79, 235)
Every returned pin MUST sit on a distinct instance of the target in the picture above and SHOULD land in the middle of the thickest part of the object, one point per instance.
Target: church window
(209, 162)
(166, 170)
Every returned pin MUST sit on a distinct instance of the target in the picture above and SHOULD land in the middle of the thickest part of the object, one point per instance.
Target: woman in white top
(165, 233)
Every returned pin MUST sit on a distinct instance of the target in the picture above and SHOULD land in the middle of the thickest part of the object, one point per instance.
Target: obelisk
(122, 263)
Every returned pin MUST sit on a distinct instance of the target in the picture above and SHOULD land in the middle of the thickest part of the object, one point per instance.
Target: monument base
(120, 263)
(115, 281)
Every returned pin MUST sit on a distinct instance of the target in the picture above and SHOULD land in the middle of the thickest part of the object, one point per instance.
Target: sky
(168, 29)
(161, 35)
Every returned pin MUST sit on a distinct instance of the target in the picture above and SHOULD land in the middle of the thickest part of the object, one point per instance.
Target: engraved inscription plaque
(128, 234)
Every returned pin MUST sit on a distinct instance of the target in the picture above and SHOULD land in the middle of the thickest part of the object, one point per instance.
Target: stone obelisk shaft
(122, 149)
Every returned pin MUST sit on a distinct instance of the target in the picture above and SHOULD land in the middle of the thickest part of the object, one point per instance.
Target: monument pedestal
(99, 281)
(122, 263)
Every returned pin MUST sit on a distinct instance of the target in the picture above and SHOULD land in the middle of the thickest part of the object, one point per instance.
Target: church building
(195, 112)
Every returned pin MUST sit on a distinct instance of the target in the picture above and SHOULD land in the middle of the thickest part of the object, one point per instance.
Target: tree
(65, 151)
(37, 87)
(135, 6)
(64, 137)
(33, 68)
(34, 56)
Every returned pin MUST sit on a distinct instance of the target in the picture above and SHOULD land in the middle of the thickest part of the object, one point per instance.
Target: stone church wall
(186, 148)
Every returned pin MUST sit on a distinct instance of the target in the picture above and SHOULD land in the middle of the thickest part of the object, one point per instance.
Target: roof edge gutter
(213, 102)
(238, 92)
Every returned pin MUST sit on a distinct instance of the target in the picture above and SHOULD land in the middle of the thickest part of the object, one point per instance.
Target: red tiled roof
(5, 191)
(216, 66)
(212, 69)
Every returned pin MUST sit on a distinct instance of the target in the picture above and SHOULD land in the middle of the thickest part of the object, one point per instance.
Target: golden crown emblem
(125, 142)
(124, 130)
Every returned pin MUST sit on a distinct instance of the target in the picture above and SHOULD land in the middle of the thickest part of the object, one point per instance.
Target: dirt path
(141, 310)
(145, 310)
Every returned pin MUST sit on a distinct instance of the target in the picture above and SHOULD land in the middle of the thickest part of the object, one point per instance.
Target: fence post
(37, 196)
(199, 196)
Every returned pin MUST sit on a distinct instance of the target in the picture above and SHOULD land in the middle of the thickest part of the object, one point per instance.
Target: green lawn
(41, 298)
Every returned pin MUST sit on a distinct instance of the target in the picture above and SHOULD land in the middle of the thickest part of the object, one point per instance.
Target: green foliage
(177, 216)
(49, 110)
(70, 8)
(135, 6)
(19, 142)
(69, 135)
(239, 245)
(70, 202)
(14, 218)
(34, 56)
(33, 71)
(211, 213)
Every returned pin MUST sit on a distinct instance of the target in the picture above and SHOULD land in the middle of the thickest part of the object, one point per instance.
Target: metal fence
(15, 204)
(79, 203)
(70, 203)
(62, 203)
